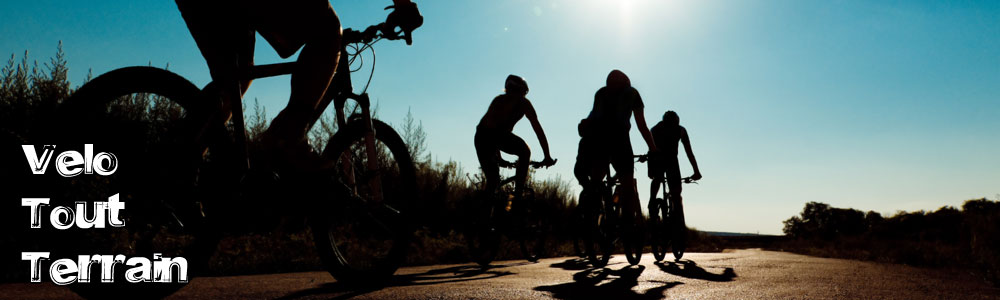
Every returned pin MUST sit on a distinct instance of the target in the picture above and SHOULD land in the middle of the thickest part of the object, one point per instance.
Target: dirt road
(742, 274)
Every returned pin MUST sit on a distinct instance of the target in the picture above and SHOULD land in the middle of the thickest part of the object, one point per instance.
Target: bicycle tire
(577, 229)
(680, 231)
(533, 229)
(631, 217)
(598, 243)
(340, 253)
(659, 237)
(484, 237)
(84, 118)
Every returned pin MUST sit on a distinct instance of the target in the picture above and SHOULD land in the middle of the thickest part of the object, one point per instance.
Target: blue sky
(875, 105)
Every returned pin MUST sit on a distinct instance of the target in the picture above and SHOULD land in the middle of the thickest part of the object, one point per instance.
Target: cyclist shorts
(286, 25)
(660, 165)
(614, 151)
(488, 141)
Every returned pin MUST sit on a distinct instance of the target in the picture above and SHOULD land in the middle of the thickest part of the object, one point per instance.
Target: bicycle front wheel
(679, 229)
(578, 229)
(363, 239)
(632, 237)
(139, 117)
(659, 236)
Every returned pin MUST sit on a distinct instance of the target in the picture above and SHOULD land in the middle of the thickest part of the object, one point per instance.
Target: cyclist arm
(640, 122)
(690, 154)
(529, 112)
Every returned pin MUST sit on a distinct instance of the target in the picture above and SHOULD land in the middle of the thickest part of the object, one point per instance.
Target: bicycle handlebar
(405, 17)
(645, 157)
(534, 164)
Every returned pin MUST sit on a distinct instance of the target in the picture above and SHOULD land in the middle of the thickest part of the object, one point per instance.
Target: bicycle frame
(512, 180)
(339, 92)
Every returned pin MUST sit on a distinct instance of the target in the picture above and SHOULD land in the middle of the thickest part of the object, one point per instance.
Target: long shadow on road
(572, 264)
(590, 284)
(690, 269)
(338, 290)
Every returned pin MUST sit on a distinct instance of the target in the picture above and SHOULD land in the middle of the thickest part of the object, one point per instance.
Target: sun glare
(628, 17)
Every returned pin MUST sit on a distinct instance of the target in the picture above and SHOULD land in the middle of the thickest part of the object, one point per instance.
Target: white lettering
(36, 214)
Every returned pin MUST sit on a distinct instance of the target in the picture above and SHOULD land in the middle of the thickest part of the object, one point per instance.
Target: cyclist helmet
(671, 118)
(618, 79)
(515, 83)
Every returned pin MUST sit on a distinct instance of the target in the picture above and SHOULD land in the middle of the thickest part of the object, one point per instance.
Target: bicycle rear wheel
(598, 236)
(483, 237)
(533, 228)
(140, 115)
(360, 240)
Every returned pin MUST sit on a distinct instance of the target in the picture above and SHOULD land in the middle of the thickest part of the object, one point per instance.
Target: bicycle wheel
(659, 237)
(360, 240)
(533, 228)
(577, 229)
(598, 243)
(483, 237)
(679, 229)
(18, 183)
(138, 116)
(632, 239)
(631, 226)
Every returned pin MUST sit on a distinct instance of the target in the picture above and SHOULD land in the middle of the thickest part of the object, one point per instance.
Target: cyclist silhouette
(494, 134)
(667, 133)
(605, 133)
(224, 31)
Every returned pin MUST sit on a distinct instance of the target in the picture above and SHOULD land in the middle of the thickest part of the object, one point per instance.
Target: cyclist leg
(673, 172)
(314, 27)
(226, 41)
(598, 160)
(581, 170)
(621, 160)
(486, 151)
(511, 143)
(655, 172)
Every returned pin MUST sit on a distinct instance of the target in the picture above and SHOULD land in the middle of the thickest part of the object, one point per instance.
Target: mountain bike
(608, 218)
(504, 212)
(667, 226)
(666, 217)
(186, 174)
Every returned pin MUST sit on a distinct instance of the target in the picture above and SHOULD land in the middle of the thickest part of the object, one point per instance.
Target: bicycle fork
(375, 182)
(371, 153)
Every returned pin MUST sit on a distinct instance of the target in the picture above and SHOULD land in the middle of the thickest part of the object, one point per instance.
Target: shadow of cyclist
(338, 290)
(608, 284)
(572, 264)
(690, 269)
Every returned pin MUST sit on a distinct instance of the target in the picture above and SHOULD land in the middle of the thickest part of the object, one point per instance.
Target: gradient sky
(874, 105)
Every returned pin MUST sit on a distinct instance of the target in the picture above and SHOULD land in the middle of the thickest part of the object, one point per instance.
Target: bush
(946, 237)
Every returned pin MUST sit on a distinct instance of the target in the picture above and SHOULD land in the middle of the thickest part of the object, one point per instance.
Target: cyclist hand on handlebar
(404, 15)
(503, 163)
(547, 162)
